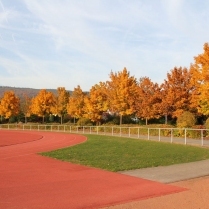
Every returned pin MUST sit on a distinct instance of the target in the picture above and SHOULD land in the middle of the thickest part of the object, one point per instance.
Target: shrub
(207, 124)
(186, 120)
(84, 122)
(12, 119)
(51, 118)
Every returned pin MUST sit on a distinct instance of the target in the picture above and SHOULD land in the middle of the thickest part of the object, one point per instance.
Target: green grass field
(119, 154)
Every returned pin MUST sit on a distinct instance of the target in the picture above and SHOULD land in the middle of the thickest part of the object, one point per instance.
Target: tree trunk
(166, 119)
(121, 118)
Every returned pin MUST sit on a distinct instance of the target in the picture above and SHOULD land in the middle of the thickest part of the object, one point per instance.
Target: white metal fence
(189, 136)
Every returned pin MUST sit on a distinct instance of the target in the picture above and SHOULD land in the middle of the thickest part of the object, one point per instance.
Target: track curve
(29, 180)
(9, 138)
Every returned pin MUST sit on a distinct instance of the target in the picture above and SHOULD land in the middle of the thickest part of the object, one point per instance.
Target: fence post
(129, 132)
(202, 139)
(159, 134)
(97, 130)
(171, 135)
(148, 133)
(138, 132)
(112, 130)
(185, 135)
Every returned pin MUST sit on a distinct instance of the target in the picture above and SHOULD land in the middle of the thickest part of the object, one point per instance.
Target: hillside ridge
(21, 91)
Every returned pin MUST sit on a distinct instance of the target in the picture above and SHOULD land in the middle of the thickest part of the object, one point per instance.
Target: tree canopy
(9, 105)
(122, 90)
(183, 90)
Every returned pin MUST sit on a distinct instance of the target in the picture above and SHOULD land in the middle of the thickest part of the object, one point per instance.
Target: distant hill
(30, 92)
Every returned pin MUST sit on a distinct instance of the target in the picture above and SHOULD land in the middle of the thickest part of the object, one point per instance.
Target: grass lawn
(119, 154)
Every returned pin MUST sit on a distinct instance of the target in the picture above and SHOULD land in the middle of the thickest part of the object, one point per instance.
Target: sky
(66, 43)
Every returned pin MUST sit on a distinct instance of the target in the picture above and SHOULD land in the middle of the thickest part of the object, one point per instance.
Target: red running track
(28, 180)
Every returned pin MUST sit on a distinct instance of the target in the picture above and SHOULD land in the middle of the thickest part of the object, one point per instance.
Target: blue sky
(53, 43)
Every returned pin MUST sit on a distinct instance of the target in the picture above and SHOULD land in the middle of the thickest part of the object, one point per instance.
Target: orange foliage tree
(9, 105)
(43, 104)
(122, 90)
(176, 92)
(200, 81)
(75, 106)
(96, 102)
(148, 99)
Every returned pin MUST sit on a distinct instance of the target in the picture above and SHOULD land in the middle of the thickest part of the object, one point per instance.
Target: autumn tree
(122, 90)
(96, 102)
(176, 93)
(75, 106)
(62, 98)
(148, 99)
(9, 105)
(200, 81)
(43, 104)
(25, 104)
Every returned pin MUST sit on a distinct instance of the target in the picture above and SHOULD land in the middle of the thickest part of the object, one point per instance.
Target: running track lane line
(36, 182)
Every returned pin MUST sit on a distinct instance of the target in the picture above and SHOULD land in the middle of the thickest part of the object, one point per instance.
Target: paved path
(31, 181)
(172, 173)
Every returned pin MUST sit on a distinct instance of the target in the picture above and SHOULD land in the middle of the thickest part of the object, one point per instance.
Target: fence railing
(189, 136)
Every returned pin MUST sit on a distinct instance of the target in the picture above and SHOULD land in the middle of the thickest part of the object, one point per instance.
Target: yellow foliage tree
(43, 104)
(75, 106)
(200, 81)
(60, 107)
(122, 90)
(9, 105)
(96, 103)
(25, 106)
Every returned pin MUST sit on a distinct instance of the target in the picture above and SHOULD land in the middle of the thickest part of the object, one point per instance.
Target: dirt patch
(197, 196)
